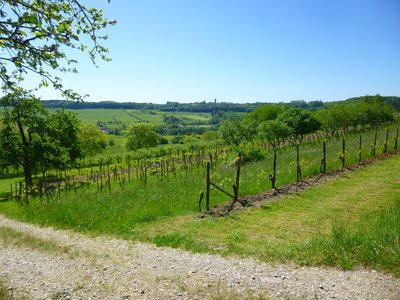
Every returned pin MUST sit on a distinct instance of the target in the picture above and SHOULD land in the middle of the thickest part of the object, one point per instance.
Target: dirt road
(106, 268)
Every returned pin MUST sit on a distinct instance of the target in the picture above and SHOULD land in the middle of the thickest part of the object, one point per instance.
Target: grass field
(123, 116)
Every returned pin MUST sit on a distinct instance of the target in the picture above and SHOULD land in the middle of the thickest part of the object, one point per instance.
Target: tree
(301, 121)
(377, 110)
(35, 140)
(141, 135)
(274, 132)
(63, 127)
(264, 113)
(36, 34)
(93, 140)
(330, 119)
(235, 131)
(172, 121)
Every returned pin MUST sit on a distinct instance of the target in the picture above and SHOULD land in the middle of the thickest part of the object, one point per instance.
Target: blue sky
(244, 51)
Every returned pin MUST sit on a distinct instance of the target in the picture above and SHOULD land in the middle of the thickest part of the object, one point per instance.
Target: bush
(251, 153)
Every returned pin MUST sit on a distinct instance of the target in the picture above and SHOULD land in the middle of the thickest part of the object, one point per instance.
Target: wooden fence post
(396, 139)
(360, 149)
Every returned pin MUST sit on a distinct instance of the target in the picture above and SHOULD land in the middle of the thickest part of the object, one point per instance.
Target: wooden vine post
(20, 192)
(101, 176)
(208, 181)
(272, 176)
(373, 152)
(108, 178)
(386, 141)
(129, 168)
(360, 149)
(396, 140)
(298, 169)
(211, 159)
(323, 162)
(235, 186)
(343, 156)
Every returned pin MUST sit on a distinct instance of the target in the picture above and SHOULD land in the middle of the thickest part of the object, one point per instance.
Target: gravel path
(106, 268)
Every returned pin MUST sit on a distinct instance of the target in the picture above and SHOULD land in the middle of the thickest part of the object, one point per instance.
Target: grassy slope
(351, 220)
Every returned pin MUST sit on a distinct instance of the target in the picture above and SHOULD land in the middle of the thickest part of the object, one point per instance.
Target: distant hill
(168, 107)
(392, 100)
(202, 107)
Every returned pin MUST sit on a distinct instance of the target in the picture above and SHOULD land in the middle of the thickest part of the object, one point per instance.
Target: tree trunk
(28, 174)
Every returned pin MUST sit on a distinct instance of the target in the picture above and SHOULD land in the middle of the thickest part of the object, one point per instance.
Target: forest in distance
(204, 106)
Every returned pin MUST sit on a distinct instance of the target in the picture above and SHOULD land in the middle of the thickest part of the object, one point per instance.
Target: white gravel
(107, 268)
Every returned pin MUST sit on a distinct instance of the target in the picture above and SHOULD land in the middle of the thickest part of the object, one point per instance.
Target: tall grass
(374, 241)
(4, 293)
(116, 212)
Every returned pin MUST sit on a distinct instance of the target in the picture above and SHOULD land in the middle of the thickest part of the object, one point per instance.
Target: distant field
(157, 117)
(103, 115)
(115, 117)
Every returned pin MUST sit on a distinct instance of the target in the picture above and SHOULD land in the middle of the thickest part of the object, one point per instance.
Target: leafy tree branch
(35, 34)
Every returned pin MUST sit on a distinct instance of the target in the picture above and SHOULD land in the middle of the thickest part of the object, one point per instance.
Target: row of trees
(272, 124)
(34, 139)
(275, 124)
(366, 111)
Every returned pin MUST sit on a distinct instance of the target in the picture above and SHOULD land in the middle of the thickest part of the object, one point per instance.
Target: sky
(243, 51)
